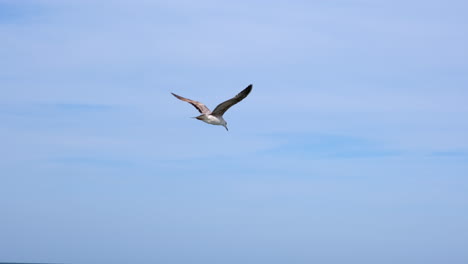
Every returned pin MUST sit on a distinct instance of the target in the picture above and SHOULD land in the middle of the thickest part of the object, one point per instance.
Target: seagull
(216, 117)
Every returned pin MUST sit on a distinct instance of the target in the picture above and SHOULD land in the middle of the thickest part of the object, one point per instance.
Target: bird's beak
(226, 127)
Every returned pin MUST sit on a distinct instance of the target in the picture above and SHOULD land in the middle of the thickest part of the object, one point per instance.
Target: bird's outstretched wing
(224, 106)
(199, 106)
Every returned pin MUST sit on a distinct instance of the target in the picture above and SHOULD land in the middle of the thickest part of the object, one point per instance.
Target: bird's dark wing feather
(224, 106)
(199, 106)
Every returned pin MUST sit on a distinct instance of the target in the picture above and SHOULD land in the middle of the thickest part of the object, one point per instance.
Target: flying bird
(216, 117)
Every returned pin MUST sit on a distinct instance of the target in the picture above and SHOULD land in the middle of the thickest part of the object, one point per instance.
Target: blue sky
(351, 148)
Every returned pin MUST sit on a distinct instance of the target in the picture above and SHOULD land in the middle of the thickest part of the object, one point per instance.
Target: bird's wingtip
(248, 89)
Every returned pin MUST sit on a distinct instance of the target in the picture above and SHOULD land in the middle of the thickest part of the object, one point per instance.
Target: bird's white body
(211, 119)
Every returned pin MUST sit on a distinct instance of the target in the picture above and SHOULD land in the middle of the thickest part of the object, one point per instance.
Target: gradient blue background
(351, 148)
